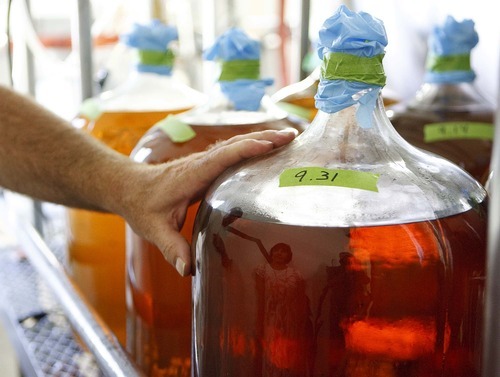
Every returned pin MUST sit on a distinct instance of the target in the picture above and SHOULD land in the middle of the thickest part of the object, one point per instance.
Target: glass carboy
(119, 117)
(448, 115)
(158, 299)
(348, 252)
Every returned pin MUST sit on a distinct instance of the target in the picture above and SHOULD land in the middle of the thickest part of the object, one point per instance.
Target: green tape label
(315, 176)
(90, 109)
(447, 63)
(240, 69)
(295, 110)
(458, 130)
(176, 130)
(343, 66)
(153, 57)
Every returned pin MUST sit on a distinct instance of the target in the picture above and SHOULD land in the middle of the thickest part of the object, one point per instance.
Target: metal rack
(41, 335)
(54, 331)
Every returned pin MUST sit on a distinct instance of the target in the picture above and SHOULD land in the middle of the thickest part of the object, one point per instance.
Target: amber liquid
(96, 249)
(159, 300)
(472, 155)
(384, 301)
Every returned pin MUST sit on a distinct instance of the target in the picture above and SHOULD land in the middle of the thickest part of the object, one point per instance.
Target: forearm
(43, 156)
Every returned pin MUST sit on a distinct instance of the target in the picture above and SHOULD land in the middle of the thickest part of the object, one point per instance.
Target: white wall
(408, 24)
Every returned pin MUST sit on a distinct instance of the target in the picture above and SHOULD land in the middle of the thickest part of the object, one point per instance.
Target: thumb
(175, 250)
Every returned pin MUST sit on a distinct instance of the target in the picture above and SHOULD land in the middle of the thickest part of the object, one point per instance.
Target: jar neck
(157, 62)
(349, 141)
(449, 69)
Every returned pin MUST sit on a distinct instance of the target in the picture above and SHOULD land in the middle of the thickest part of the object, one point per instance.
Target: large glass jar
(448, 115)
(348, 252)
(96, 243)
(159, 300)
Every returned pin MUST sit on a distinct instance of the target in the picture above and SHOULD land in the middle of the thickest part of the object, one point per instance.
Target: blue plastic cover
(245, 94)
(355, 33)
(452, 38)
(235, 44)
(155, 36)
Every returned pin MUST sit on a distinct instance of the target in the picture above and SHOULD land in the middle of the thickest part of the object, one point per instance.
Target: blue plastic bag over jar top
(233, 46)
(450, 45)
(351, 45)
(152, 41)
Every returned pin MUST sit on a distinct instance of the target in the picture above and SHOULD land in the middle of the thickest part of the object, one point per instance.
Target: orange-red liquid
(383, 301)
(159, 300)
(96, 249)
(472, 155)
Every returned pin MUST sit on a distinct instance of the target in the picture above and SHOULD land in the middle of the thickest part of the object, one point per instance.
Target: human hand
(156, 198)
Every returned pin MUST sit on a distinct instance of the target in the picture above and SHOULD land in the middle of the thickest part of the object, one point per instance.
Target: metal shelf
(41, 334)
(53, 330)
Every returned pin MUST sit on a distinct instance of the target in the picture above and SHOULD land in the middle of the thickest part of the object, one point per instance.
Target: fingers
(194, 173)
(190, 177)
(232, 151)
(278, 138)
(176, 251)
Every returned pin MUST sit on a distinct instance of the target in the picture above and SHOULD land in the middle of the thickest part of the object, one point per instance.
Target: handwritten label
(316, 176)
(177, 130)
(457, 130)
